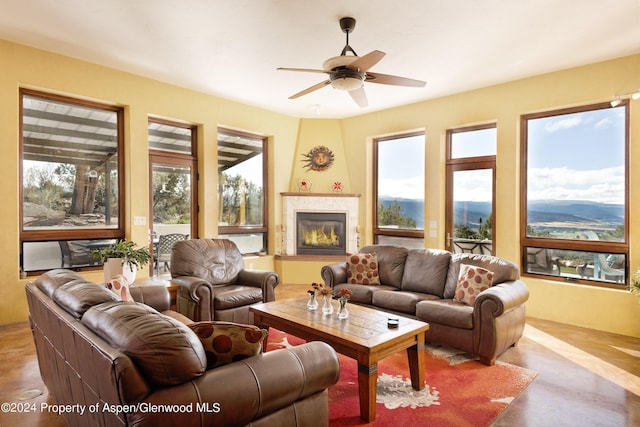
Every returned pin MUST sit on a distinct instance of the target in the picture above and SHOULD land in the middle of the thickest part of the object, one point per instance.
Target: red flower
(344, 293)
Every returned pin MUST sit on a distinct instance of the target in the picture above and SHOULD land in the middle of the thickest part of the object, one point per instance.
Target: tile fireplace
(319, 223)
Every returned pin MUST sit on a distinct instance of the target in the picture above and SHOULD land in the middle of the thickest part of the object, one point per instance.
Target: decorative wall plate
(319, 158)
(304, 185)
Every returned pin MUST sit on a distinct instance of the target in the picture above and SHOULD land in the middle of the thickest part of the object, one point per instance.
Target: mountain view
(555, 216)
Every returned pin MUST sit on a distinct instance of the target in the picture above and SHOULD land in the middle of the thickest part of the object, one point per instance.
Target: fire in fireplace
(321, 233)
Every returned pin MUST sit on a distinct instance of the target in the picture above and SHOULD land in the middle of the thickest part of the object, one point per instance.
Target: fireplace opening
(321, 233)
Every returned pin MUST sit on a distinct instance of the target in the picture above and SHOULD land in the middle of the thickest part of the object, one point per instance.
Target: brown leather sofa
(214, 284)
(126, 363)
(421, 283)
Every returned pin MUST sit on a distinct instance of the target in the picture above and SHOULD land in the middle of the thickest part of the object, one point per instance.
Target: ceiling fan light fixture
(347, 83)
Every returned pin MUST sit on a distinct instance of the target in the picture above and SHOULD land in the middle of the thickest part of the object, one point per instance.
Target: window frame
(181, 159)
(69, 233)
(567, 244)
(385, 231)
(251, 229)
(468, 164)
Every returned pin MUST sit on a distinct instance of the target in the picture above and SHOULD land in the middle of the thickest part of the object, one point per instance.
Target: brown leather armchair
(214, 284)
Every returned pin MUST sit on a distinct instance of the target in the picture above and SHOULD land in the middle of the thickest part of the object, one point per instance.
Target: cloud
(408, 188)
(562, 124)
(603, 124)
(605, 185)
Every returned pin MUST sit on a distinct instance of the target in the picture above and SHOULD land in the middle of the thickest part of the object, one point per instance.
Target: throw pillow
(226, 342)
(119, 285)
(471, 281)
(362, 269)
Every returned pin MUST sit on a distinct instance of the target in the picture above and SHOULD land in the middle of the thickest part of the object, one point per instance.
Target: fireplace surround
(346, 205)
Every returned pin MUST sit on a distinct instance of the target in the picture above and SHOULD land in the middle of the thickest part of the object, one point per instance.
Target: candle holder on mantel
(283, 247)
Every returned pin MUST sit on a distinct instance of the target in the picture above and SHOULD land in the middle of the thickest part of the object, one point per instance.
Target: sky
(401, 168)
(578, 156)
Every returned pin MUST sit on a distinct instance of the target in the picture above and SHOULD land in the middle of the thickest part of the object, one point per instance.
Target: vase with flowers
(325, 293)
(312, 304)
(343, 296)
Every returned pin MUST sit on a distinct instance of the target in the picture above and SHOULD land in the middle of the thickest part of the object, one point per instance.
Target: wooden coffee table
(364, 336)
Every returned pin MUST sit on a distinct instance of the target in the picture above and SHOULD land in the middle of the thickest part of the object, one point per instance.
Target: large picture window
(71, 153)
(399, 190)
(574, 210)
(242, 160)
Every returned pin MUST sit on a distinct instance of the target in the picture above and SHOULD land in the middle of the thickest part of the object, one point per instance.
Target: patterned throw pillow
(471, 281)
(362, 269)
(119, 285)
(226, 342)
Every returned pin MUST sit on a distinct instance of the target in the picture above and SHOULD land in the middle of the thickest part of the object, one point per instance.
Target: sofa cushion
(404, 302)
(76, 297)
(53, 279)
(165, 351)
(503, 270)
(363, 294)
(471, 281)
(391, 260)
(119, 285)
(218, 261)
(232, 296)
(445, 312)
(425, 271)
(226, 342)
(362, 269)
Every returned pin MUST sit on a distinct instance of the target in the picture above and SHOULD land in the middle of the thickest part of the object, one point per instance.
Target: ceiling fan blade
(311, 89)
(365, 62)
(359, 96)
(387, 79)
(304, 70)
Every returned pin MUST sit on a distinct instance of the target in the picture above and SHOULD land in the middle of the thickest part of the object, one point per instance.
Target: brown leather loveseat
(421, 283)
(126, 363)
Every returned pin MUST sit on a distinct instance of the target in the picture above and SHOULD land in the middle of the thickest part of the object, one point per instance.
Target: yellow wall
(349, 139)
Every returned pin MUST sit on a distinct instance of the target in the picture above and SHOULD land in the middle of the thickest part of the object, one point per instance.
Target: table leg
(367, 382)
(416, 357)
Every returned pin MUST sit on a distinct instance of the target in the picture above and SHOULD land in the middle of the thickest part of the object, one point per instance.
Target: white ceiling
(231, 48)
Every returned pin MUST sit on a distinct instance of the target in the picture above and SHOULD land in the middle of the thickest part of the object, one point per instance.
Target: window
(173, 165)
(399, 190)
(471, 165)
(71, 177)
(574, 210)
(242, 168)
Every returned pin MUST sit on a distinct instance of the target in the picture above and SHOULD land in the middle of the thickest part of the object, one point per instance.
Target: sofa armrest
(240, 392)
(502, 297)
(194, 299)
(156, 296)
(334, 274)
(263, 279)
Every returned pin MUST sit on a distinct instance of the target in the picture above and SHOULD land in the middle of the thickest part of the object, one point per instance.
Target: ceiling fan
(349, 72)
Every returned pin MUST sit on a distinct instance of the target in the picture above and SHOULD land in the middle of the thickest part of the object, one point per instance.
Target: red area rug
(459, 390)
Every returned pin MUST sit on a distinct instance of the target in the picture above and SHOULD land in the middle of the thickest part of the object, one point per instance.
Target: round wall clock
(318, 158)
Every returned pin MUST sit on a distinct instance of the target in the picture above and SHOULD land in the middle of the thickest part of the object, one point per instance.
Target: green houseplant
(119, 254)
(635, 282)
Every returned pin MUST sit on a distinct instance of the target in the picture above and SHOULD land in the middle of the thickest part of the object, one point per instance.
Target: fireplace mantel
(292, 203)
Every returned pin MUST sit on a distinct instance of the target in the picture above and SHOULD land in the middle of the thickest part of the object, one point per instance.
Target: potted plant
(122, 258)
(635, 282)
